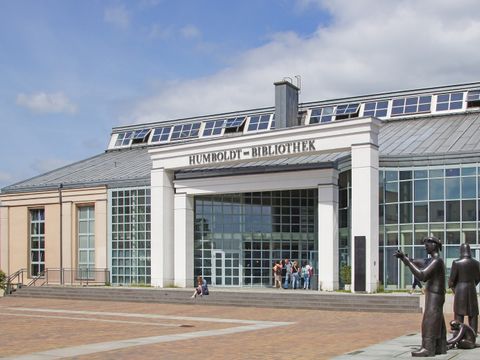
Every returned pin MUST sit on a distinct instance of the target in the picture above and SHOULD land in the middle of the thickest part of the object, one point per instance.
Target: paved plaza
(401, 348)
(54, 329)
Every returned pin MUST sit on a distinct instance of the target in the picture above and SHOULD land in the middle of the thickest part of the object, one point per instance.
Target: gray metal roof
(282, 164)
(422, 141)
(113, 168)
(404, 142)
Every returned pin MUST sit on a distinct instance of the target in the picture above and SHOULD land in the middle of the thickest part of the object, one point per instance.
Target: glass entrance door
(226, 268)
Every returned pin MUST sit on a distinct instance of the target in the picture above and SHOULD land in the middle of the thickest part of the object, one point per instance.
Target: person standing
(277, 273)
(434, 331)
(295, 275)
(307, 272)
(288, 273)
(464, 277)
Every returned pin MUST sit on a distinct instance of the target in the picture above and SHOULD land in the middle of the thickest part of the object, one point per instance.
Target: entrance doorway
(227, 268)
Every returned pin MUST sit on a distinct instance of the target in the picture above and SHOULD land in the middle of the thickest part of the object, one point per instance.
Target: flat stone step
(273, 298)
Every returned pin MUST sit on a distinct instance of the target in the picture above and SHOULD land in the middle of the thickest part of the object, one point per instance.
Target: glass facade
(130, 228)
(37, 241)
(344, 222)
(418, 202)
(238, 237)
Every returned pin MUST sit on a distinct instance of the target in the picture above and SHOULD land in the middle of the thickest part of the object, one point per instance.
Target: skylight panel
(346, 109)
(452, 101)
(185, 131)
(234, 122)
(376, 109)
(259, 122)
(411, 105)
(140, 134)
(124, 139)
(473, 98)
(233, 125)
(321, 115)
(161, 134)
(213, 127)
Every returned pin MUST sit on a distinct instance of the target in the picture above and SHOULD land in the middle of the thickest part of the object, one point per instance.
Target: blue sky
(72, 70)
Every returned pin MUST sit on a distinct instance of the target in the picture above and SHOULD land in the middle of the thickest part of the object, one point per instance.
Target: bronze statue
(463, 337)
(434, 332)
(464, 277)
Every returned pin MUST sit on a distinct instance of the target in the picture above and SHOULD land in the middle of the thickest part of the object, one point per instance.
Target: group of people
(295, 276)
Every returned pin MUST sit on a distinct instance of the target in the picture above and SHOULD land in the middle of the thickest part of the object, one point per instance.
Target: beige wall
(4, 235)
(14, 227)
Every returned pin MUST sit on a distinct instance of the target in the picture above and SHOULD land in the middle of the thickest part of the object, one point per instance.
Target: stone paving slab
(117, 331)
(401, 348)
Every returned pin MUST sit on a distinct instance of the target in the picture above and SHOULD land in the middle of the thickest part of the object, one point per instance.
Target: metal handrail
(13, 285)
(41, 275)
(57, 276)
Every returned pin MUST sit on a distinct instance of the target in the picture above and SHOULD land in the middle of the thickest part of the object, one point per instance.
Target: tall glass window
(86, 237)
(417, 202)
(239, 236)
(37, 241)
(131, 236)
(344, 217)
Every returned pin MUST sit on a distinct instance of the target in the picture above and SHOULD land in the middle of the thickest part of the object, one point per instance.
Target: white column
(4, 240)
(162, 242)
(365, 210)
(184, 227)
(328, 233)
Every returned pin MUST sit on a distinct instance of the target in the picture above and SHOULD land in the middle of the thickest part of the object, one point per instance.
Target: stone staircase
(266, 298)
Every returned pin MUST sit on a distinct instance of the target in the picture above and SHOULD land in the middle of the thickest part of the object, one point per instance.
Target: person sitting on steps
(202, 287)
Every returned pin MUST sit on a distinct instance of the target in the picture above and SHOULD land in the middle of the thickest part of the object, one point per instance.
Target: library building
(332, 183)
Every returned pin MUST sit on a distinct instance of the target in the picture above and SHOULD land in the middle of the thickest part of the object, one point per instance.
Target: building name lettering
(287, 148)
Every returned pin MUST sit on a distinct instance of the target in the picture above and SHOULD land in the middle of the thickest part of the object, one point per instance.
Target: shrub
(3, 280)
(346, 274)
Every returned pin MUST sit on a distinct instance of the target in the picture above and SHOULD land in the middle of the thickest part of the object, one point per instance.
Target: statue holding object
(434, 333)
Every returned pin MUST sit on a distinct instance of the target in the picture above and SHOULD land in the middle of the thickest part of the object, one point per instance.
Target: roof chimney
(286, 104)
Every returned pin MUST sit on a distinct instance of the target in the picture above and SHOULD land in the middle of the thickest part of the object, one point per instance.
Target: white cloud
(190, 32)
(368, 46)
(42, 102)
(118, 16)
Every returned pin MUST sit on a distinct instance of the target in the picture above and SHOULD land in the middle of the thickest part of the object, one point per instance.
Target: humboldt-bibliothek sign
(254, 152)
